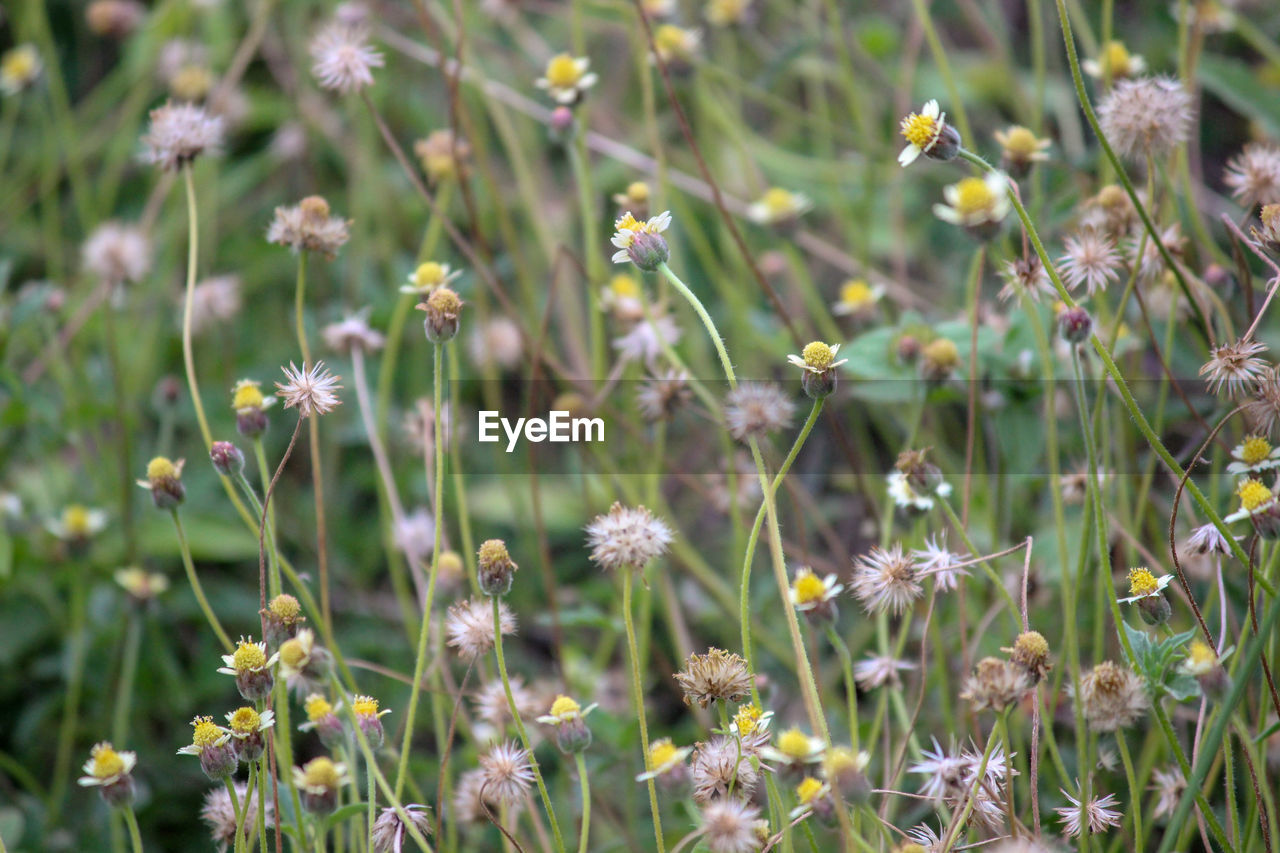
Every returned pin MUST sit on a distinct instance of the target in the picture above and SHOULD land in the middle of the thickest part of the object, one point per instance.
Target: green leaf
(350, 810)
(1182, 687)
(1232, 82)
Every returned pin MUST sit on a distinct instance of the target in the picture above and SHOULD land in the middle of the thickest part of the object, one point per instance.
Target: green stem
(128, 672)
(76, 646)
(637, 696)
(586, 801)
(135, 835)
(850, 686)
(264, 474)
(372, 798)
(1136, 805)
(237, 843)
(519, 724)
(196, 588)
(420, 661)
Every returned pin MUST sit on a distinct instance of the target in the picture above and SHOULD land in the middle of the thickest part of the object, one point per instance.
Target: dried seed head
(507, 773)
(995, 684)
(720, 768)
(627, 538)
(1112, 697)
(1031, 652)
(755, 409)
(179, 133)
(715, 675)
(495, 569)
(443, 308)
(1147, 116)
(469, 627)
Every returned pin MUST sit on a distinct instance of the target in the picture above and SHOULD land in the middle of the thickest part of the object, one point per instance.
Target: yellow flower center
(1116, 60)
(808, 790)
(1270, 215)
(161, 468)
(808, 588)
(285, 607)
(1142, 582)
(19, 64)
(724, 12)
(747, 718)
(662, 753)
(638, 191)
(942, 353)
(669, 38)
(493, 551)
(320, 773)
(1253, 494)
(245, 721)
(856, 293)
(564, 707)
(794, 744)
(1254, 450)
(627, 222)
(106, 761)
(191, 83)
(973, 196)
(1032, 644)
(247, 395)
(1021, 142)
(624, 286)
(840, 760)
(205, 733)
(919, 130)
(1201, 654)
(293, 654)
(817, 355)
(563, 71)
(778, 202)
(429, 274)
(248, 656)
(317, 707)
(365, 706)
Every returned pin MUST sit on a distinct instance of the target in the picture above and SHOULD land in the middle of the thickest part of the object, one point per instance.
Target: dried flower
(715, 675)
(729, 826)
(220, 815)
(995, 684)
(1169, 785)
(1031, 652)
(1112, 697)
(662, 395)
(627, 538)
(1025, 276)
(1147, 116)
(116, 253)
(443, 308)
(308, 226)
(878, 670)
(311, 391)
(351, 333)
(1234, 366)
(1254, 175)
(114, 18)
(646, 340)
(754, 409)
(1093, 814)
(179, 133)
(507, 772)
(343, 58)
(936, 561)
(495, 568)
(1090, 259)
(469, 627)
(721, 769)
(389, 831)
(886, 579)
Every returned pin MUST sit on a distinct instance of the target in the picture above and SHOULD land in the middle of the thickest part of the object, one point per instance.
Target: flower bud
(1075, 325)
(282, 617)
(164, 481)
(226, 458)
(443, 307)
(648, 250)
(218, 762)
(1266, 521)
(496, 569)
(1154, 609)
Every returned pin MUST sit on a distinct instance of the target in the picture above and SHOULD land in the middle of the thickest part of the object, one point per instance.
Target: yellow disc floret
(817, 355)
(808, 587)
(809, 790)
(429, 274)
(1142, 582)
(778, 201)
(1254, 449)
(1116, 59)
(76, 521)
(638, 191)
(1201, 657)
(920, 130)
(662, 752)
(205, 734)
(747, 719)
(1021, 142)
(248, 657)
(247, 395)
(293, 653)
(161, 468)
(317, 707)
(563, 71)
(285, 607)
(973, 195)
(1253, 494)
(624, 286)
(856, 293)
(321, 773)
(564, 707)
(244, 721)
(106, 761)
(365, 706)
(794, 744)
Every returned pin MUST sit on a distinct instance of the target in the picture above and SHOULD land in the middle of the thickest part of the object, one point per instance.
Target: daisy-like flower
(111, 772)
(1090, 258)
(722, 769)
(1234, 366)
(812, 795)
(250, 405)
(508, 775)
(116, 253)
(1252, 455)
(570, 721)
(310, 391)
(754, 409)
(252, 669)
(1112, 697)
(1147, 116)
(1254, 175)
(641, 243)
(210, 743)
(906, 494)
(308, 226)
(857, 298)
(978, 204)
(389, 831)
(729, 826)
(322, 718)
(928, 133)
(794, 748)
(343, 58)
(427, 276)
(778, 206)
(664, 757)
(19, 67)
(1025, 276)
(1255, 497)
(369, 719)
(1020, 149)
(142, 586)
(1169, 785)
(846, 770)
(727, 13)
(818, 361)
(164, 481)
(468, 627)
(627, 538)
(1143, 584)
(751, 726)
(1094, 815)
(995, 684)
(1116, 62)
(886, 579)
(304, 665)
(318, 782)
(179, 133)
(942, 564)
(246, 726)
(716, 675)
(809, 592)
(77, 523)
(566, 78)
(676, 46)
(879, 670)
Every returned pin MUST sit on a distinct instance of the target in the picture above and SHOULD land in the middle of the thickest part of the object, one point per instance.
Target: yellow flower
(428, 276)
(664, 756)
(672, 43)
(1141, 582)
(1116, 62)
(106, 766)
(317, 707)
(19, 68)
(726, 13)
(809, 790)
(857, 297)
(1253, 495)
(974, 202)
(247, 396)
(205, 734)
(1201, 658)
(778, 205)
(566, 77)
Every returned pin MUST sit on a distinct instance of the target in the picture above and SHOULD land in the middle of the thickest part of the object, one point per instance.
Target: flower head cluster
(640, 242)
(309, 226)
(1147, 116)
(928, 133)
(312, 390)
(111, 772)
(627, 538)
(567, 78)
(343, 59)
(179, 133)
(716, 675)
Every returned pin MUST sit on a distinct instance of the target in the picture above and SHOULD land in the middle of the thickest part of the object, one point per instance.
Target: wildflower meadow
(640, 425)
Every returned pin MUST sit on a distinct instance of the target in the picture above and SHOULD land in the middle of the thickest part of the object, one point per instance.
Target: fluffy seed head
(310, 391)
(1254, 175)
(179, 133)
(729, 826)
(1112, 697)
(715, 675)
(469, 627)
(886, 579)
(754, 409)
(627, 538)
(721, 767)
(343, 58)
(116, 253)
(507, 772)
(1146, 116)
(995, 684)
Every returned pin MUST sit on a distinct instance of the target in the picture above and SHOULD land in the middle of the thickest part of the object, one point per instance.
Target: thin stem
(237, 843)
(420, 661)
(196, 588)
(1136, 808)
(372, 798)
(77, 640)
(135, 835)
(519, 724)
(637, 697)
(586, 801)
(193, 247)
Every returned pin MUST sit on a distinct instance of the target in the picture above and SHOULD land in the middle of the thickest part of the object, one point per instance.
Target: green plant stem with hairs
(135, 836)
(519, 724)
(194, 580)
(637, 697)
(77, 641)
(420, 659)
(585, 782)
